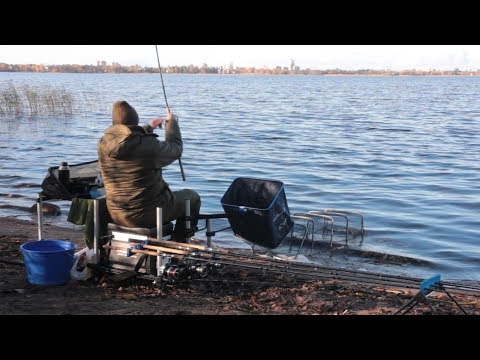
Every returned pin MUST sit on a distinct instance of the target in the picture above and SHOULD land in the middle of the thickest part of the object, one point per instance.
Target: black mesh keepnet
(258, 211)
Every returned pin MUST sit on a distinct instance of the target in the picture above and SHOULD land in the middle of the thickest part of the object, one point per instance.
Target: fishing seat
(122, 236)
(167, 230)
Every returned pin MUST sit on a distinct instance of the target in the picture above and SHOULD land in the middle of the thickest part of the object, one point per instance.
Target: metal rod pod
(159, 223)
(96, 226)
(159, 236)
(40, 216)
(187, 214)
(209, 231)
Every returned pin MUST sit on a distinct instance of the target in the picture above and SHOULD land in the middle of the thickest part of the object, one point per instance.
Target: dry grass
(41, 100)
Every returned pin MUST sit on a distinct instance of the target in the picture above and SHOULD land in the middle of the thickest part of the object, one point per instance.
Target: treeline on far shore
(116, 68)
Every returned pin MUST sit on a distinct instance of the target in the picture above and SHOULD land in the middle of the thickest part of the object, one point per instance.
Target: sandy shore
(232, 295)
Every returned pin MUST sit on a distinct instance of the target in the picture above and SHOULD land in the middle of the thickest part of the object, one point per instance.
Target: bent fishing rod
(168, 108)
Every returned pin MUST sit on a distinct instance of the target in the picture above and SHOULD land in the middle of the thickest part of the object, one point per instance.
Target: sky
(347, 57)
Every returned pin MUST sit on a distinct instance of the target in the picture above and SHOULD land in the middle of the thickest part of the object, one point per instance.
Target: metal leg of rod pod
(209, 231)
(187, 222)
(159, 236)
(40, 216)
(159, 223)
(96, 223)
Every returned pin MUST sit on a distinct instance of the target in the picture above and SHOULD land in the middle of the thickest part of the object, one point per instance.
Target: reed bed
(35, 100)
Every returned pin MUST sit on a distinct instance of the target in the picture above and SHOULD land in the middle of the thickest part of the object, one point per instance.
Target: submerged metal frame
(324, 212)
(308, 220)
(325, 219)
(327, 216)
(348, 212)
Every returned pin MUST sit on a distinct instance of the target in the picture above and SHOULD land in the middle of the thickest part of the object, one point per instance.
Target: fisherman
(131, 159)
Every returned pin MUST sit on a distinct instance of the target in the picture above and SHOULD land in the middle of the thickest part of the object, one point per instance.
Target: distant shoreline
(103, 67)
(243, 74)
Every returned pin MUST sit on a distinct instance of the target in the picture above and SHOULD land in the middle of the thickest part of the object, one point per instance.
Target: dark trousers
(176, 211)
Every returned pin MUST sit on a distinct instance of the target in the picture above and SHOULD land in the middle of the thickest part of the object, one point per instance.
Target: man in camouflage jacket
(131, 158)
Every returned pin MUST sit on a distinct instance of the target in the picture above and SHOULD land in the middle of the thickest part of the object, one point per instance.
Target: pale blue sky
(349, 57)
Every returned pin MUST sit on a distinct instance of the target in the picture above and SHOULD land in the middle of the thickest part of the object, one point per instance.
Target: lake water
(403, 151)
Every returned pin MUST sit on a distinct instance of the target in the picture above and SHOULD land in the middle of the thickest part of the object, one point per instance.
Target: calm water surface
(403, 151)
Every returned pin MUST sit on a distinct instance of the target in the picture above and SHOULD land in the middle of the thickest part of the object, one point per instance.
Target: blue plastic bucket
(48, 262)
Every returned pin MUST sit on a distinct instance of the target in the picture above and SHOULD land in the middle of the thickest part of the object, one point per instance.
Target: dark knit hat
(123, 113)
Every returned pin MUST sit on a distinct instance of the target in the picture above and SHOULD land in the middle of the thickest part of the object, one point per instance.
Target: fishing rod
(168, 107)
(234, 258)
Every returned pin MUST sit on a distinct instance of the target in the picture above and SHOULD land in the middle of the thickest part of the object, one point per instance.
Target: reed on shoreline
(40, 100)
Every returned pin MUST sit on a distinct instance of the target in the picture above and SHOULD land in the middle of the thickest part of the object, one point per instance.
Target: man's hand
(170, 115)
(158, 121)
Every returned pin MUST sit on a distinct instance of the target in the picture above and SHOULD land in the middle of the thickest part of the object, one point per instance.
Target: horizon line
(117, 65)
